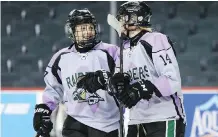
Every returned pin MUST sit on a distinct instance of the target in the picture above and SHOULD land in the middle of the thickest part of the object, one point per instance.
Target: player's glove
(119, 84)
(94, 81)
(41, 121)
(136, 92)
(128, 94)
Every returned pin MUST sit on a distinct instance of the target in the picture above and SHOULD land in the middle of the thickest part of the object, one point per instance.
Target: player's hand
(94, 81)
(138, 91)
(41, 121)
(119, 84)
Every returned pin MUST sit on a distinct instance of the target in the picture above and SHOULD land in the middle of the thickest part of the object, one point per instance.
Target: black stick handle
(121, 133)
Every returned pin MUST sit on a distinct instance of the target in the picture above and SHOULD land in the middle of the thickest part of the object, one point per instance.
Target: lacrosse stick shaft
(121, 105)
(115, 24)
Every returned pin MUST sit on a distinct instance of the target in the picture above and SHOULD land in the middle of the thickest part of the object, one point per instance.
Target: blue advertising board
(202, 115)
(17, 111)
(17, 108)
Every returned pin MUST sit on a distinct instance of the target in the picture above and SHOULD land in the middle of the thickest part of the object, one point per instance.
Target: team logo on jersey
(205, 121)
(82, 96)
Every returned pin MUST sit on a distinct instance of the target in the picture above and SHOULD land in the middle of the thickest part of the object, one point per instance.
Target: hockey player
(151, 84)
(91, 113)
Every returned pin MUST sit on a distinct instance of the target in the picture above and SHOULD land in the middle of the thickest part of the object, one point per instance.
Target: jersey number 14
(166, 60)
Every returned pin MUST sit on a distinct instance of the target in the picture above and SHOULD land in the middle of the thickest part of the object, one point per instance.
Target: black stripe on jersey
(55, 68)
(181, 105)
(111, 62)
(176, 107)
(148, 48)
(161, 50)
(171, 44)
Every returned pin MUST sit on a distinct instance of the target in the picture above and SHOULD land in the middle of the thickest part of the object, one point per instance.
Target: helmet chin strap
(133, 33)
(82, 49)
(89, 46)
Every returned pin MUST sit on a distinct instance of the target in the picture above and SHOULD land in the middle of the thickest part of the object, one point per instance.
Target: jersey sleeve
(166, 65)
(53, 92)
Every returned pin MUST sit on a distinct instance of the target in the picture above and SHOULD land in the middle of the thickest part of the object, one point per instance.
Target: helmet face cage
(84, 33)
(82, 28)
(130, 19)
(135, 14)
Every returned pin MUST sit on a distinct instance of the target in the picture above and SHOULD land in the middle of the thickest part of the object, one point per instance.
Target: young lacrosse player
(150, 85)
(90, 112)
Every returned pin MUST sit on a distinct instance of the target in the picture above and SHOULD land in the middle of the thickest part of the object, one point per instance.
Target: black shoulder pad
(55, 67)
(148, 48)
(111, 62)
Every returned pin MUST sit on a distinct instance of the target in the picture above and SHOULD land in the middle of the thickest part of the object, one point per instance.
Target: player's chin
(131, 28)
